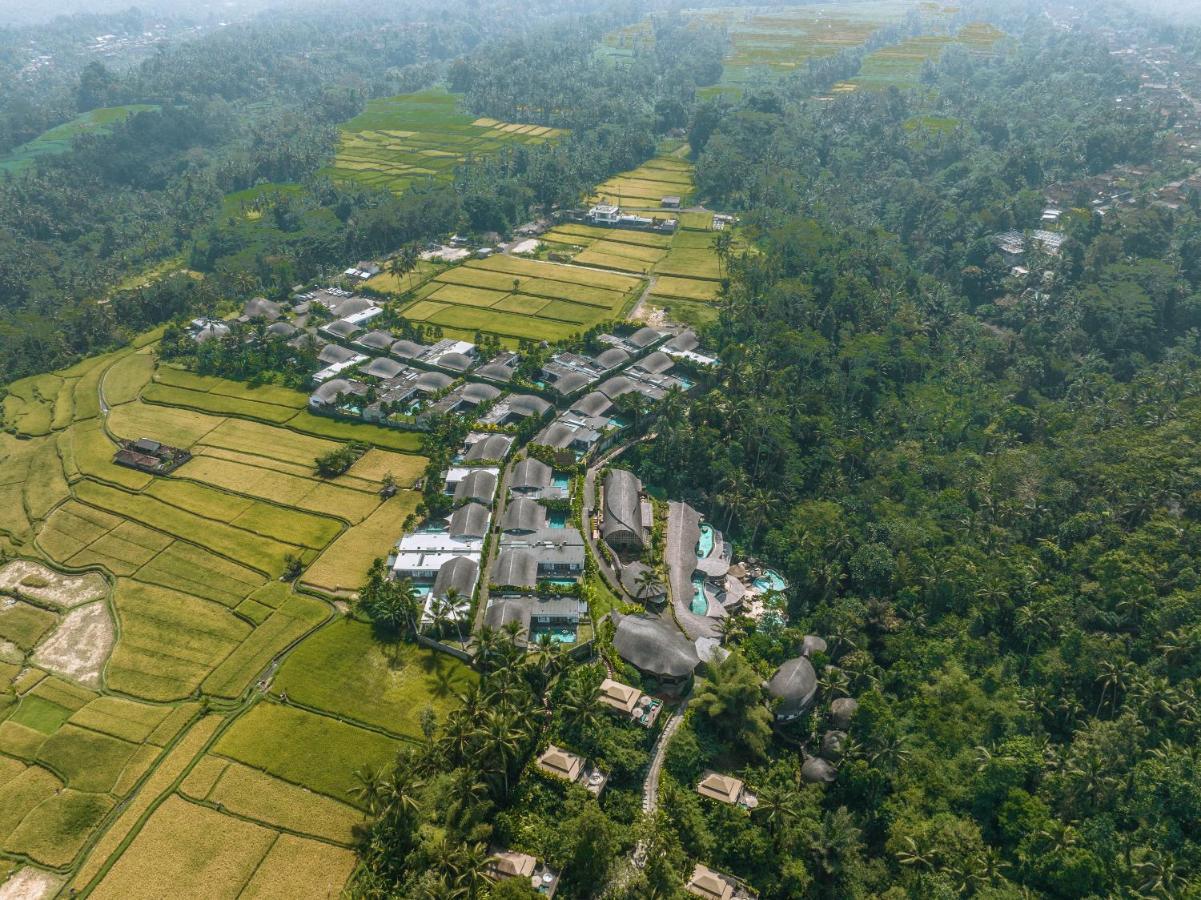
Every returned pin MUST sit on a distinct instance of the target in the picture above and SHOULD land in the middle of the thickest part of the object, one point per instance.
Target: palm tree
(370, 788)
(500, 743)
(646, 582)
(777, 808)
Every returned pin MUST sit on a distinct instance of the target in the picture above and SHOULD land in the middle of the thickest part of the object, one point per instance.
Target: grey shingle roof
(327, 393)
(406, 349)
(470, 520)
(350, 306)
(612, 358)
(502, 611)
(616, 386)
(332, 353)
(515, 567)
(652, 645)
(382, 367)
(630, 576)
(557, 435)
(479, 485)
(685, 340)
(531, 474)
(524, 515)
(570, 383)
(795, 685)
(376, 340)
(644, 337)
(342, 329)
(479, 393)
(281, 329)
(656, 363)
(262, 308)
(592, 404)
(456, 362)
(528, 405)
(432, 382)
(494, 446)
(496, 371)
(458, 573)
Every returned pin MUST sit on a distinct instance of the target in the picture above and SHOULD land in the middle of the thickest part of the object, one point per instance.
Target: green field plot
(270, 443)
(253, 794)
(279, 628)
(601, 260)
(295, 867)
(58, 139)
(306, 749)
(280, 487)
(686, 288)
(120, 718)
(89, 760)
(575, 230)
(557, 272)
(687, 312)
(397, 141)
(647, 185)
(40, 715)
(473, 276)
(24, 624)
(219, 404)
(345, 671)
(463, 295)
(29, 406)
(187, 851)
(22, 792)
(58, 827)
(385, 438)
(92, 452)
(343, 566)
(169, 641)
(177, 427)
(694, 264)
(249, 546)
(193, 570)
(899, 65)
(126, 377)
(275, 395)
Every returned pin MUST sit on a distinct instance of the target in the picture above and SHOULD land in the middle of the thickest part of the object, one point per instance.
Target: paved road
(650, 787)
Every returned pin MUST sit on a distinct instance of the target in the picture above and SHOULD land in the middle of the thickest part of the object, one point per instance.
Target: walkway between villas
(650, 787)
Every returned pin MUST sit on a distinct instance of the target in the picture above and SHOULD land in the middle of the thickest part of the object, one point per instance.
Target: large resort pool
(705, 545)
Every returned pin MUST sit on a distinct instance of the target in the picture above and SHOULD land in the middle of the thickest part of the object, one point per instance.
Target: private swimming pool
(557, 518)
(700, 603)
(771, 580)
(705, 545)
(558, 634)
(561, 480)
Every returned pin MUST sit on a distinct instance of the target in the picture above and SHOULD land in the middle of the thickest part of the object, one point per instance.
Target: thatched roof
(795, 685)
(475, 392)
(406, 349)
(612, 358)
(382, 367)
(652, 645)
(622, 505)
(657, 363)
(616, 386)
(644, 337)
(527, 405)
(569, 383)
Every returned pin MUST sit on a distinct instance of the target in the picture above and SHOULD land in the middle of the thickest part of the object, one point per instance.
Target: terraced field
(132, 597)
(397, 141)
(523, 298)
(58, 139)
(646, 186)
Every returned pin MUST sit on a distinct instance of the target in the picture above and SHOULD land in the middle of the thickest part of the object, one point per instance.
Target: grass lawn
(310, 750)
(344, 670)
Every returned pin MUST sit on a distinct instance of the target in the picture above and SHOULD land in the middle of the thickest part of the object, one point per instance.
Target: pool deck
(683, 532)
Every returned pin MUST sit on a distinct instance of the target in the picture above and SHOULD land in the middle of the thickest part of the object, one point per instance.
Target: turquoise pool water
(557, 518)
(558, 582)
(771, 580)
(422, 590)
(557, 635)
(705, 545)
(561, 481)
(616, 422)
(699, 604)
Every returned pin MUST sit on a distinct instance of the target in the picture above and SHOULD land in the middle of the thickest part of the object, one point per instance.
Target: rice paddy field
(397, 141)
(646, 186)
(58, 139)
(766, 44)
(522, 298)
(131, 597)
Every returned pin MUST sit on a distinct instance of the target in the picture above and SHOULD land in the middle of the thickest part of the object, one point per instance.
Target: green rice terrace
(397, 141)
(175, 720)
(769, 43)
(58, 139)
